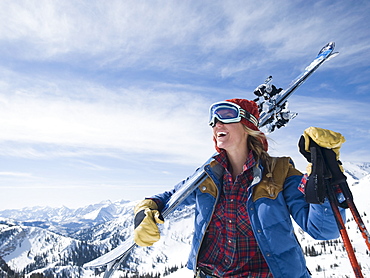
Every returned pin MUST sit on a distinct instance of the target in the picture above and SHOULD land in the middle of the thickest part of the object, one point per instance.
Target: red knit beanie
(251, 107)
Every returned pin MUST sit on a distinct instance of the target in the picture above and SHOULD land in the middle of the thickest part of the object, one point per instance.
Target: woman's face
(231, 136)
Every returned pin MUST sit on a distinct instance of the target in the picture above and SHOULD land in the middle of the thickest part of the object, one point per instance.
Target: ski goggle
(229, 112)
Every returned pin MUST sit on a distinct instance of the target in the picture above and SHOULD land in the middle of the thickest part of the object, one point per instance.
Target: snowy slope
(332, 260)
(64, 220)
(25, 243)
(39, 248)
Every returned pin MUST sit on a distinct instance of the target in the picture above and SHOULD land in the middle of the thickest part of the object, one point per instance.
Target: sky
(108, 100)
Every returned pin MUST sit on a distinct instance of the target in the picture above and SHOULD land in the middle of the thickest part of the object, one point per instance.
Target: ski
(116, 256)
(272, 102)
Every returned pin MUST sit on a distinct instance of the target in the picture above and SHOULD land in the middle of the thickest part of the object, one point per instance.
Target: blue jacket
(270, 210)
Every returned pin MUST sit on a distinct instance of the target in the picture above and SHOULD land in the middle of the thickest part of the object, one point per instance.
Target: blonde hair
(255, 143)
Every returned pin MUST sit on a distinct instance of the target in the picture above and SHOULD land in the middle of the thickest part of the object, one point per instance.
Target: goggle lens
(224, 112)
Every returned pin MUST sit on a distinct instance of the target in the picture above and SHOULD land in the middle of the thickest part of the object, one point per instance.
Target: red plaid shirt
(229, 248)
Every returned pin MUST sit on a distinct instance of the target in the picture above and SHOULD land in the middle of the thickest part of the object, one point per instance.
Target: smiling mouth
(221, 134)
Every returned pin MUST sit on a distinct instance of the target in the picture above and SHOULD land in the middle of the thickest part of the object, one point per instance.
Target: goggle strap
(249, 117)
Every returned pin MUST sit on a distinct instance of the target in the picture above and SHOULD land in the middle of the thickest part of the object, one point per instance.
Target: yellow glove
(324, 138)
(147, 216)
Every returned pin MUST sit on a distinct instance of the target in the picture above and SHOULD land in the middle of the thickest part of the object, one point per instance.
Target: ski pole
(332, 175)
(349, 200)
(339, 178)
(343, 232)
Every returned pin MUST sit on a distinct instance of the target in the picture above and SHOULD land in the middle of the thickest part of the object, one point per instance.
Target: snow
(21, 243)
(92, 215)
(20, 254)
(32, 241)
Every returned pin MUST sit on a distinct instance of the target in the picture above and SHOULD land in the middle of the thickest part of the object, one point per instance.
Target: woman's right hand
(147, 216)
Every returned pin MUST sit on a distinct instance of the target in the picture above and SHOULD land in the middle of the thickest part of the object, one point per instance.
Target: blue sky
(109, 99)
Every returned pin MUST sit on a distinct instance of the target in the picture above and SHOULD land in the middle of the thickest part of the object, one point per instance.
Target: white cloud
(90, 84)
(348, 117)
(132, 120)
(152, 34)
(15, 174)
(122, 27)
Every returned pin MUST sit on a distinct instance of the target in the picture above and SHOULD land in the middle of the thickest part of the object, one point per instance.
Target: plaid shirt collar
(224, 161)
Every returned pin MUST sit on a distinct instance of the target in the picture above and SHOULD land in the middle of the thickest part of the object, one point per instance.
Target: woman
(243, 210)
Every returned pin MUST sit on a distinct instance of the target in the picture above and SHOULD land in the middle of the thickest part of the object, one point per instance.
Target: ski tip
(331, 44)
(329, 47)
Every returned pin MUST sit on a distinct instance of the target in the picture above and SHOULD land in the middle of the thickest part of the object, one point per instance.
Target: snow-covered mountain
(58, 241)
(64, 220)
